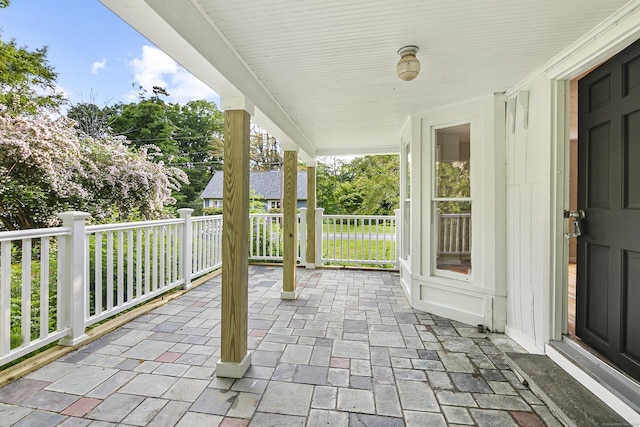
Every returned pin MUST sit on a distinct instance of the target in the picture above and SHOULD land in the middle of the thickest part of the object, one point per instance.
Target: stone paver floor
(348, 352)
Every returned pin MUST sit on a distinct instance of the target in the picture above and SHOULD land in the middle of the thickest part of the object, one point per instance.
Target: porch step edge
(617, 383)
(569, 400)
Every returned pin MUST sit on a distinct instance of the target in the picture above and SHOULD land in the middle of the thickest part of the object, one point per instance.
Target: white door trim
(604, 41)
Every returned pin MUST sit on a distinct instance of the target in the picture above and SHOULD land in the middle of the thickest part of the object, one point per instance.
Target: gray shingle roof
(265, 184)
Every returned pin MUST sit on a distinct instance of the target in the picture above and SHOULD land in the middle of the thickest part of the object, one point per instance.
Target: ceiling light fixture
(408, 67)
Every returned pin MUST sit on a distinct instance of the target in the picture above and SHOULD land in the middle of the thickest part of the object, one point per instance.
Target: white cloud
(155, 68)
(186, 87)
(97, 66)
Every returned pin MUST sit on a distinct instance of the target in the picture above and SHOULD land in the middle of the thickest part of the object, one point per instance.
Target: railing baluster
(162, 254)
(196, 244)
(263, 231)
(26, 292)
(452, 234)
(120, 260)
(109, 270)
(348, 239)
(209, 252)
(457, 240)
(62, 251)
(130, 253)
(147, 260)
(201, 245)
(169, 255)
(360, 231)
(464, 235)
(174, 256)
(139, 262)
(87, 276)
(44, 287)
(5, 297)
(381, 251)
(154, 261)
(219, 237)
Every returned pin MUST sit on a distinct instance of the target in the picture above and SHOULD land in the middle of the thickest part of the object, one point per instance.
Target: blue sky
(97, 55)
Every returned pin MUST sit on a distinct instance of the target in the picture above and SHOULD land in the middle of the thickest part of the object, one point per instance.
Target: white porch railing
(266, 240)
(454, 234)
(56, 282)
(357, 239)
(37, 292)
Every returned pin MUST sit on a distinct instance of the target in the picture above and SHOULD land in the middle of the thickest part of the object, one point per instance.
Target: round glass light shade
(408, 67)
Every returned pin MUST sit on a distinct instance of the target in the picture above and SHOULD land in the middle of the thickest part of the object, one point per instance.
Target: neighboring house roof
(266, 185)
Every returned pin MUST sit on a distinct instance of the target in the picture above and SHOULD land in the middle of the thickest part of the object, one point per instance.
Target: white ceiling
(323, 72)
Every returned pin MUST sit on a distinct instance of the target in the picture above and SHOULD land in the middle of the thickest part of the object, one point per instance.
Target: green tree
(377, 180)
(328, 180)
(199, 130)
(147, 123)
(265, 150)
(91, 119)
(368, 185)
(453, 180)
(47, 166)
(27, 80)
(186, 136)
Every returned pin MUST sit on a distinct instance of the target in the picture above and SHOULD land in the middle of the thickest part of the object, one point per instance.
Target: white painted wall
(479, 298)
(537, 182)
(528, 214)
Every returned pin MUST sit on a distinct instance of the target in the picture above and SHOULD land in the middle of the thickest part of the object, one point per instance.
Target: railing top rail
(266, 214)
(205, 218)
(131, 225)
(456, 215)
(33, 233)
(359, 216)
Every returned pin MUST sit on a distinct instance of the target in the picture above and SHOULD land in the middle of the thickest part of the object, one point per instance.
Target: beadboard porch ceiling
(322, 73)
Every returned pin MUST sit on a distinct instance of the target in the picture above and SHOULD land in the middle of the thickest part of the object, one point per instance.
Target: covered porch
(348, 351)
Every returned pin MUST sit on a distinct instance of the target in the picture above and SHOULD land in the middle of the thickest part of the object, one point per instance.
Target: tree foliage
(200, 126)
(453, 180)
(146, 123)
(47, 167)
(27, 81)
(328, 181)
(186, 136)
(91, 119)
(368, 185)
(265, 150)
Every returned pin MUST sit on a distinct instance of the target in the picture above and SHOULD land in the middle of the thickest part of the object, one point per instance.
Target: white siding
(528, 217)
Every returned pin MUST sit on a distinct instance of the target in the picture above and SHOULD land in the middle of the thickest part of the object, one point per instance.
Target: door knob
(578, 225)
(579, 214)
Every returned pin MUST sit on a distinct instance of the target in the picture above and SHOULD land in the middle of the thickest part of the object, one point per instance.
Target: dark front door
(608, 272)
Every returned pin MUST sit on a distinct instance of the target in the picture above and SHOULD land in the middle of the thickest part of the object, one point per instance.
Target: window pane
(453, 177)
(453, 229)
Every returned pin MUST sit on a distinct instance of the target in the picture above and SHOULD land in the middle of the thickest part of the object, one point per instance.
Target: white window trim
(435, 271)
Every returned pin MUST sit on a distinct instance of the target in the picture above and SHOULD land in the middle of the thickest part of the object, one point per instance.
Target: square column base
(310, 266)
(233, 369)
(70, 342)
(289, 295)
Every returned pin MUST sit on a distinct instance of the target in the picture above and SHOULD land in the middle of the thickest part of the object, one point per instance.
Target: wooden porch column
(234, 357)
(290, 232)
(311, 215)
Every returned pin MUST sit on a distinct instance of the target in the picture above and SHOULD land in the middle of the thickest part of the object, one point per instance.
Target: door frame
(603, 42)
(609, 38)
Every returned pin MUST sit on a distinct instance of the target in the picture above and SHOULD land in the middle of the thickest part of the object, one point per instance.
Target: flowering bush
(47, 167)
